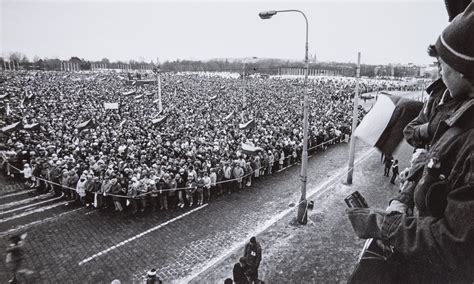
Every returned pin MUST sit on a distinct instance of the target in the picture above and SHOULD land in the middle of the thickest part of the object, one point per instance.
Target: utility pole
(354, 124)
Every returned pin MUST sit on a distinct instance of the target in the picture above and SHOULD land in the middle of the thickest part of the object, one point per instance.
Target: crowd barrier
(239, 179)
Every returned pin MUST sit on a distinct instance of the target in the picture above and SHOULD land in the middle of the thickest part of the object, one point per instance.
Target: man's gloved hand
(367, 222)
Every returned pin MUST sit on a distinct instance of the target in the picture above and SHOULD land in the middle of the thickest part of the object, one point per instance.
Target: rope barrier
(139, 196)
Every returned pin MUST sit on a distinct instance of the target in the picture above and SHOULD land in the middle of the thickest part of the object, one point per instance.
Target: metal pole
(304, 163)
(243, 94)
(354, 124)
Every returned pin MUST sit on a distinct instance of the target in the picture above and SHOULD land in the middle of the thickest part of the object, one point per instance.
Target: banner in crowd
(382, 127)
(213, 98)
(4, 96)
(159, 120)
(85, 124)
(130, 93)
(111, 105)
(250, 149)
(139, 97)
(11, 127)
(247, 125)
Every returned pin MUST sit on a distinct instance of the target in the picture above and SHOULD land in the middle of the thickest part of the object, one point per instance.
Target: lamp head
(267, 14)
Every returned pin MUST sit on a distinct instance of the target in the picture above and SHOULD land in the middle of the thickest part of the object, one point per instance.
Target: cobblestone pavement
(83, 245)
(326, 249)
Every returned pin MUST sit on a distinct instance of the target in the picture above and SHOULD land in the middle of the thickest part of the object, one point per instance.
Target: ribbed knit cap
(455, 45)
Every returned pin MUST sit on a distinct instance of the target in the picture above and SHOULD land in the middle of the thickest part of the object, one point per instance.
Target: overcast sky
(384, 31)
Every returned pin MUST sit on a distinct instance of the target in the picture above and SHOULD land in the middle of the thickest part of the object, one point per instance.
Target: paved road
(84, 245)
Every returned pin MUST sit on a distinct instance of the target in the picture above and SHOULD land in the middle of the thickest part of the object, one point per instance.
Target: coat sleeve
(416, 132)
(446, 242)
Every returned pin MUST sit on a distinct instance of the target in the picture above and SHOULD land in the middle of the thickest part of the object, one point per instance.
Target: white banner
(111, 105)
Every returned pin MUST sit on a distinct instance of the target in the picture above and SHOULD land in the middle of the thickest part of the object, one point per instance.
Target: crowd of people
(137, 157)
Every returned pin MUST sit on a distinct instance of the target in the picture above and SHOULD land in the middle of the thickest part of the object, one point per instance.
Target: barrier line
(174, 189)
(139, 235)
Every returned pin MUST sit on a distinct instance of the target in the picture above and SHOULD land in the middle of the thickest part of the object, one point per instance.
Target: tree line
(262, 66)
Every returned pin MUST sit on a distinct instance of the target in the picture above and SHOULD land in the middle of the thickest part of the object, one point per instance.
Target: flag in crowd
(11, 127)
(86, 124)
(159, 120)
(122, 123)
(229, 116)
(32, 126)
(130, 93)
(382, 127)
(250, 149)
(247, 125)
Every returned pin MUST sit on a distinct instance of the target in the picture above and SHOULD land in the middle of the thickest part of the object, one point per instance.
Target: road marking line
(38, 222)
(31, 205)
(23, 201)
(139, 235)
(37, 210)
(16, 193)
(322, 187)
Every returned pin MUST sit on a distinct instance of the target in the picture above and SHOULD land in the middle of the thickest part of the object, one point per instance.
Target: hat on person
(253, 240)
(455, 47)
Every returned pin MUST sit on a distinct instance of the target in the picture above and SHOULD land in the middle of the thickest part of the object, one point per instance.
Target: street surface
(85, 245)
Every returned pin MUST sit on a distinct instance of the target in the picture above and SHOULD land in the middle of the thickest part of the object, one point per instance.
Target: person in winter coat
(81, 188)
(436, 245)
(27, 174)
(253, 254)
(394, 172)
(239, 271)
(213, 180)
(14, 257)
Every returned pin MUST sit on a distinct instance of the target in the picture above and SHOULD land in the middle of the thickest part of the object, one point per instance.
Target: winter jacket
(437, 244)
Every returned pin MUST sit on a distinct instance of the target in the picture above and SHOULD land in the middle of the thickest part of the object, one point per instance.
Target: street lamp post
(244, 86)
(244, 103)
(303, 204)
(158, 81)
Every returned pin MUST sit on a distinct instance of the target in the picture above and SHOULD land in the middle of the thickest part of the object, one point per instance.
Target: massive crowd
(135, 156)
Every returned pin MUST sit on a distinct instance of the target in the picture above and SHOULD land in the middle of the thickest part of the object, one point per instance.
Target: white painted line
(23, 201)
(140, 235)
(37, 210)
(322, 187)
(38, 222)
(16, 193)
(31, 205)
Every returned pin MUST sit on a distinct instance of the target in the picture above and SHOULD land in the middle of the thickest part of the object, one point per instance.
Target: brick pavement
(325, 250)
(54, 249)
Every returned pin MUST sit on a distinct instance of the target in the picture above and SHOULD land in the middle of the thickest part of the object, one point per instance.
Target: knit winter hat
(455, 45)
